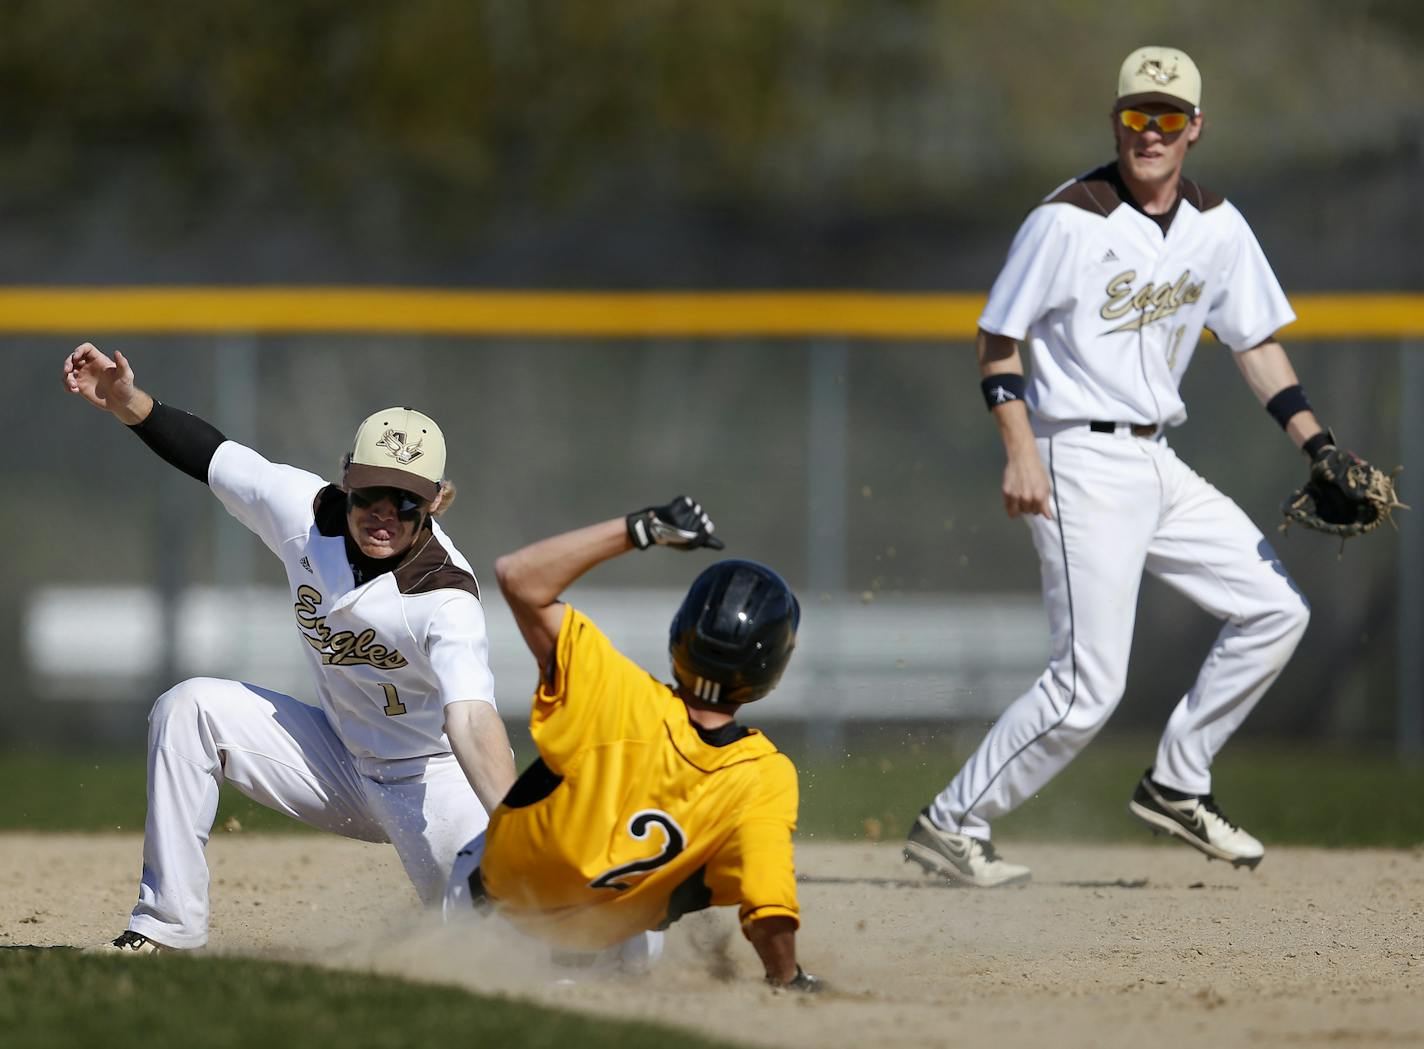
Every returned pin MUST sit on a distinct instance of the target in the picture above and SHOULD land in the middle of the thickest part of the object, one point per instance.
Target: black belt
(1138, 429)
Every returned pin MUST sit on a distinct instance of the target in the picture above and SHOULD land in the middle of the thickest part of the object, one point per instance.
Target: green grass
(66, 792)
(57, 999)
(1306, 795)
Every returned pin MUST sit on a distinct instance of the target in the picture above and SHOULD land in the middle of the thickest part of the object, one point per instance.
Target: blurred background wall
(672, 145)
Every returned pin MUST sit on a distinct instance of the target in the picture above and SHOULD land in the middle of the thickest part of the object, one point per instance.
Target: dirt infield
(1120, 946)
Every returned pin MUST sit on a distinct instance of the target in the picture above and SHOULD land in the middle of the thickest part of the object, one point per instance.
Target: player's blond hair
(444, 500)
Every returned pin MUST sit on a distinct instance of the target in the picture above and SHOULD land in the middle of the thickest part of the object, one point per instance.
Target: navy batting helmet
(734, 633)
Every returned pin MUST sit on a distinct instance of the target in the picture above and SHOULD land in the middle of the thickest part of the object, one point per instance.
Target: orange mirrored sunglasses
(1164, 123)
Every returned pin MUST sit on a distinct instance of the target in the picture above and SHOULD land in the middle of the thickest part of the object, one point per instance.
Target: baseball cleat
(960, 858)
(1197, 821)
(129, 943)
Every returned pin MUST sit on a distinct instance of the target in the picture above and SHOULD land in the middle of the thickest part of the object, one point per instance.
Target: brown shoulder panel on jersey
(1098, 191)
(330, 511)
(429, 568)
(1198, 196)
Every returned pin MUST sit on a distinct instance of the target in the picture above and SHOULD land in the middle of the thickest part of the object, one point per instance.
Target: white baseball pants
(281, 753)
(1122, 504)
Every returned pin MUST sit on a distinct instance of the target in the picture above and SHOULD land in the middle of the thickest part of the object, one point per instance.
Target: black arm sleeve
(181, 439)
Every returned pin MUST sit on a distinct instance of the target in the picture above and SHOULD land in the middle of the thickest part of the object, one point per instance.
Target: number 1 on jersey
(393, 704)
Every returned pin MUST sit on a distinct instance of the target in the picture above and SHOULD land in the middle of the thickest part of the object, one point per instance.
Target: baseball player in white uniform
(405, 746)
(1106, 290)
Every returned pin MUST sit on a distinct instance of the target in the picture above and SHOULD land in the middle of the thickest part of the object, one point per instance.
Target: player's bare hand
(104, 383)
(1026, 486)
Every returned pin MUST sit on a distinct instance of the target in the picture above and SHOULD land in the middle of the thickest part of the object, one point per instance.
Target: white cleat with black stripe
(129, 943)
(960, 858)
(1196, 820)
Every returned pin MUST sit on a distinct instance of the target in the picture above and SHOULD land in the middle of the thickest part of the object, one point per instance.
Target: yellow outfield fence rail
(81, 311)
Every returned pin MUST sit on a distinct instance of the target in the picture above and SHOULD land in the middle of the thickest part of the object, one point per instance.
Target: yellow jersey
(631, 817)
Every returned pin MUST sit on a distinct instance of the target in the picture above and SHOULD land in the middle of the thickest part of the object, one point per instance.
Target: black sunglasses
(408, 505)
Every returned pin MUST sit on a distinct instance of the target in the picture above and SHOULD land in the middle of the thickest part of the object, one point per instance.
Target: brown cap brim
(1128, 101)
(359, 476)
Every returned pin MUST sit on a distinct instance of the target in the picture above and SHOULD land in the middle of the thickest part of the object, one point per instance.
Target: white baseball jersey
(1109, 310)
(387, 655)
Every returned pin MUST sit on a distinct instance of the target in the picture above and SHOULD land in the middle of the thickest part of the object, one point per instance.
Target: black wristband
(1002, 388)
(637, 525)
(1315, 446)
(1288, 403)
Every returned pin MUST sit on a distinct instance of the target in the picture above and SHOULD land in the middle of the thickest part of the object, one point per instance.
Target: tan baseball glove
(1344, 497)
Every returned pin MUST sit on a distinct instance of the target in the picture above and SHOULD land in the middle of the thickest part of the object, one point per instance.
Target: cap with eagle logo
(398, 448)
(1159, 74)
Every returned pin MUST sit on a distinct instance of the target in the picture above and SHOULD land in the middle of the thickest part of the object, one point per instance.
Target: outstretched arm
(533, 577)
(1025, 488)
(180, 438)
(1268, 372)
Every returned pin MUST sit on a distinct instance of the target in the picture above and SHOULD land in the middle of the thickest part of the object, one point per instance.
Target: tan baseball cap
(1159, 74)
(397, 448)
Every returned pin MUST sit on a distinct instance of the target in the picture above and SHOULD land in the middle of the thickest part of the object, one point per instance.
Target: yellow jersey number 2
(639, 827)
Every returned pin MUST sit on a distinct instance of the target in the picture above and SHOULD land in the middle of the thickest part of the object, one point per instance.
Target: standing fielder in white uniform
(406, 746)
(1107, 288)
